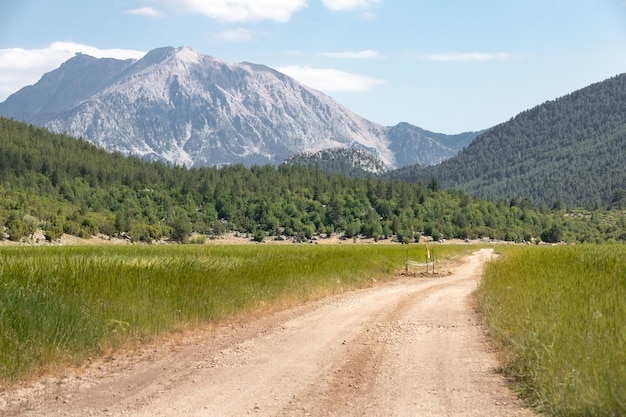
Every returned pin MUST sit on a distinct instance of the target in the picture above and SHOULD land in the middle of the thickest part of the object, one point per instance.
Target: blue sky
(444, 65)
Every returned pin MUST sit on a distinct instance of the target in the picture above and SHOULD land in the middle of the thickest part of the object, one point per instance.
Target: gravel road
(411, 347)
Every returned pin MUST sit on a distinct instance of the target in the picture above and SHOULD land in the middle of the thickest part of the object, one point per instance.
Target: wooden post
(433, 263)
(406, 263)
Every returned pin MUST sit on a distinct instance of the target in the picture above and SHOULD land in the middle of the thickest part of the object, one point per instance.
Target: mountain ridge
(570, 150)
(353, 162)
(183, 107)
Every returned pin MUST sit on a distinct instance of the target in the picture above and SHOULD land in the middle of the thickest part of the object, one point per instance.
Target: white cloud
(237, 35)
(326, 79)
(368, 54)
(73, 48)
(467, 56)
(21, 67)
(341, 5)
(239, 10)
(146, 11)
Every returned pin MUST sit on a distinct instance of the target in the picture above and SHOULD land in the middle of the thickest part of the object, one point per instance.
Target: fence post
(433, 262)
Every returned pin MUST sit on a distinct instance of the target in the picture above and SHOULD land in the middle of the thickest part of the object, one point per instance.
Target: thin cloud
(237, 35)
(343, 5)
(21, 67)
(239, 10)
(326, 79)
(146, 11)
(368, 54)
(467, 57)
(73, 48)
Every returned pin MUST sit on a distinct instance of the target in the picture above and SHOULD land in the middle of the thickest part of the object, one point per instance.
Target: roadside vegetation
(559, 316)
(60, 305)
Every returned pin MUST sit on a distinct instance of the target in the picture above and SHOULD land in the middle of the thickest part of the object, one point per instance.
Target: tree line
(66, 185)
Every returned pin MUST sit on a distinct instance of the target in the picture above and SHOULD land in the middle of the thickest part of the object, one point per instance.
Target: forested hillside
(66, 185)
(353, 162)
(571, 150)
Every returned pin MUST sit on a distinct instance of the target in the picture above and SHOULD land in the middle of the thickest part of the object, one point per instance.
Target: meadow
(558, 315)
(61, 305)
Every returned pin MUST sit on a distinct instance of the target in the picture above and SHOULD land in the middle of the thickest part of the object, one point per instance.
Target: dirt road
(413, 347)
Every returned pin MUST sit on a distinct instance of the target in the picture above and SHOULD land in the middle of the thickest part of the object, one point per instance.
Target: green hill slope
(570, 150)
(66, 185)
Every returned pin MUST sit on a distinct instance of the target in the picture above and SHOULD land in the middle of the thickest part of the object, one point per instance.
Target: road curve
(412, 347)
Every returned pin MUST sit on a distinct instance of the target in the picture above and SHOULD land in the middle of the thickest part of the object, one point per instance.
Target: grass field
(559, 316)
(60, 305)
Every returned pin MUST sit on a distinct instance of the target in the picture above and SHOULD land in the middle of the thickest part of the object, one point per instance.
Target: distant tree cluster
(65, 185)
(353, 162)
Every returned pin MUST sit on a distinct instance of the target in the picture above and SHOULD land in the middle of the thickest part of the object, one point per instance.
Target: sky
(448, 66)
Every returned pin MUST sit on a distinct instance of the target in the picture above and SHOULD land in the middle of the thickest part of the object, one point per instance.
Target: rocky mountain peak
(183, 107)
(188, 55)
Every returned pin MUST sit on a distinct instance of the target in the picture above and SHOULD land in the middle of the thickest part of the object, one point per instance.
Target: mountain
(407, 141)
(570, 150)
(354, 162)
(182, 107)
(76, 80)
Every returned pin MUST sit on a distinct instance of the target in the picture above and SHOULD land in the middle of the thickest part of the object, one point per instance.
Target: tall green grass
(63, 304)
(559, 315)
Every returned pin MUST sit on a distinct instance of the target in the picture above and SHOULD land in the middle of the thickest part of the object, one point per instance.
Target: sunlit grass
(63, 304)
(559, 314)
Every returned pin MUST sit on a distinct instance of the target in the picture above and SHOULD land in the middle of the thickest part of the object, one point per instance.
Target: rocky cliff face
(177, 105)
